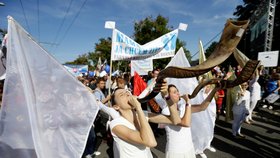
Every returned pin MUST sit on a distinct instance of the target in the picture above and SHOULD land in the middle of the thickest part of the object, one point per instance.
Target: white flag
(46, 112)
(142, 67)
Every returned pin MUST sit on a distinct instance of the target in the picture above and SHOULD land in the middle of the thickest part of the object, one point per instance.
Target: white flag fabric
(202, 57)
(201, 122)
(142, 67)
(46, 112)
(125, 48)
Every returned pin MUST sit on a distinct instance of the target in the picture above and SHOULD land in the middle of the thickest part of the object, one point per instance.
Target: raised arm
(201, 107)
(144, 135)
(186, 120)
(174, 117)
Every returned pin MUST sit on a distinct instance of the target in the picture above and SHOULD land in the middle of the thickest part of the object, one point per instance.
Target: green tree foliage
(253, 10)
(149, 29)
(102, 49)
(81, 60)
(210, 49)
(244, 12)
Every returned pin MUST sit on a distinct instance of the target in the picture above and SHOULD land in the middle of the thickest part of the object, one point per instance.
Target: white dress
(240, 110)
(123, 149)
(179, 139)
(255, 89)
(211, 110)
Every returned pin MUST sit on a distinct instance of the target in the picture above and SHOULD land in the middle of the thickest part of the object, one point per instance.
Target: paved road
(262, 139)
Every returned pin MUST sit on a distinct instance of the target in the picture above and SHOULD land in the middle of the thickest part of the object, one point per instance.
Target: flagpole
(110, 25)
(110, 76)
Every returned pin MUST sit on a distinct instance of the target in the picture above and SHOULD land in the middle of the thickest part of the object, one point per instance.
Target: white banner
(269, 59)
(124, 48)
(142, 67)
(46, 112)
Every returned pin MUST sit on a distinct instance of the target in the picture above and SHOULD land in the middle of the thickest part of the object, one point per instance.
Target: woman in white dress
(179, 139)
(240, 110)
(131, 131)
(255, 90)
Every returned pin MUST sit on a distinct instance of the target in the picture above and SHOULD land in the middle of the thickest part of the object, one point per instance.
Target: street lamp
(2, 4)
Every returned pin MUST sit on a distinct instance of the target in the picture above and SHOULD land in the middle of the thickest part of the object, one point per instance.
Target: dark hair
(99, 80)
(171, 85)
(113, 101)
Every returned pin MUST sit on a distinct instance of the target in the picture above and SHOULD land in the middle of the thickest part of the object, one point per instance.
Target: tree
(81, 60)
(254, 10)
(103, 49)
(246, 11)
(149, 29)
(210, 49)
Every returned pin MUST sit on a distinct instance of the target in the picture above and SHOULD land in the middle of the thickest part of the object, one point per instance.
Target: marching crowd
(129, 127)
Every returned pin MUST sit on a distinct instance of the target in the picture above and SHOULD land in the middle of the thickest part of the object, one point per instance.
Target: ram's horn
(231, 36)
(244, 76)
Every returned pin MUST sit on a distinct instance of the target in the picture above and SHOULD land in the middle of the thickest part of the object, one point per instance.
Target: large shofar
(244, 76)
(231, 36)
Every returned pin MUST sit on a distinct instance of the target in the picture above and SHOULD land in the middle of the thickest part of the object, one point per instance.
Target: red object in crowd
(139, 84)
(219, 101)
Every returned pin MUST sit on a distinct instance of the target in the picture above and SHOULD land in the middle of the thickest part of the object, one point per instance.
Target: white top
(179, 139)
(242, 104)
(123, 149)
(255, 89)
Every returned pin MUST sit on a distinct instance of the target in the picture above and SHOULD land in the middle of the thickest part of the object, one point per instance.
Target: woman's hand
(134, 102)
(186, 98)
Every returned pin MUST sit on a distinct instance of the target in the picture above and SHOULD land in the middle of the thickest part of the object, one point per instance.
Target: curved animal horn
(231, 36)
(244, 76)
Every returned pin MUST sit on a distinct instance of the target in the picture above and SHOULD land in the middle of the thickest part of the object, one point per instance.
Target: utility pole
(270, 25)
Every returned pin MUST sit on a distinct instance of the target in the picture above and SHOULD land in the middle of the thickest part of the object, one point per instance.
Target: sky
(69, 28)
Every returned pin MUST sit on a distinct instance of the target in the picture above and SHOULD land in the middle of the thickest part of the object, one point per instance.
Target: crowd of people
(132, 132)
(129, 127)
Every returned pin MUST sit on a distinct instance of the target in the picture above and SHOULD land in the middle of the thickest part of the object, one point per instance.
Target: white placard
(269, 59)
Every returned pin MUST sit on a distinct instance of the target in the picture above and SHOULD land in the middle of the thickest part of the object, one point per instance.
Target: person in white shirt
(240, 110)
(179, 139)
(132, 134)
(255, 91)
(131, 131)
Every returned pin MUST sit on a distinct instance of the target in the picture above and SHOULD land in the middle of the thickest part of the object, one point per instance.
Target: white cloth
(109, 110)
(255, 90)
(200, 122)
(45, 111)
(189, 154)
(123, 149)
(240, 110)
(179, 139)
(211, 111)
